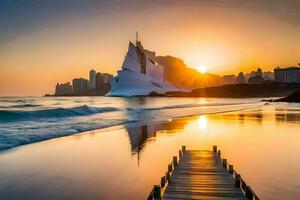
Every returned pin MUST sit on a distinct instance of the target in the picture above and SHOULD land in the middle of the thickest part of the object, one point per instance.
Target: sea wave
(18, 115)
(28, 105)
(23, 122)
(8, 100)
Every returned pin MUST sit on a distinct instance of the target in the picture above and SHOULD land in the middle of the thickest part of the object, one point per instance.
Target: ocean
(126, 144)
(25, 120)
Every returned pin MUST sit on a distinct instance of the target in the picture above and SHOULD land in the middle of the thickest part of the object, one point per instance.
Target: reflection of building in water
(286, 115)
(139, 135)
(241, 116)
(256, 115)
(279, 115)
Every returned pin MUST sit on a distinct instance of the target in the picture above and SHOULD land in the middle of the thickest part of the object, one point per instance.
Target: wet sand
(124, 162)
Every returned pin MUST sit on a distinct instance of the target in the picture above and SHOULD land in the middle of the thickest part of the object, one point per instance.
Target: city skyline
(67, 39)
(98, 84)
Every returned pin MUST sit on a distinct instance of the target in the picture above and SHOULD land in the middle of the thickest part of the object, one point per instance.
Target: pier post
(237, 180)
(183, 148)
(163, 181)
(243, 185)
(230, 169)
(255, 197)
(150, 197)
(170, 167)
(219, 153)
(215, 148)
(248, 193)
(224, 163)
(156, 192)
(168, 176)
(247, 190)
(175, 160)
(180, 153)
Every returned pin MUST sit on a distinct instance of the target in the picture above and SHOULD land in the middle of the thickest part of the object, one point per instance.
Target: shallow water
(124, 162)
(25, 120)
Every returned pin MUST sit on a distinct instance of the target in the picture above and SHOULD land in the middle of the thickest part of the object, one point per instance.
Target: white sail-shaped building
(140, 75)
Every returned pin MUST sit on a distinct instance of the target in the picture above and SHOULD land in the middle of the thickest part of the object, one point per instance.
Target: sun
(201, 68)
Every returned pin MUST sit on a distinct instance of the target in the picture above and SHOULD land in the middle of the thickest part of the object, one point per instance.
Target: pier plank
(199, 175)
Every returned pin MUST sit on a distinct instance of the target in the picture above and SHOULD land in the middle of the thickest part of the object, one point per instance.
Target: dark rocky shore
(292, 98)
(239, 91)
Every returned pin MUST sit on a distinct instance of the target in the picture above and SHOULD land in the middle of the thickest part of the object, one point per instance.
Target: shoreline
(126, 125)
(94, 164)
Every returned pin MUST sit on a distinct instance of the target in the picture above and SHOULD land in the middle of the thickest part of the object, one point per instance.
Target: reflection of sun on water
(202, 101)
(202, 122)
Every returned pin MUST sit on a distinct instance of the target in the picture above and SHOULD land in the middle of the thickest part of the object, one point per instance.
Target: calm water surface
(124, 162)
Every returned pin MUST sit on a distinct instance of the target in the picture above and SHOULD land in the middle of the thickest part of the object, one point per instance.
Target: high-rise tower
(92, 80)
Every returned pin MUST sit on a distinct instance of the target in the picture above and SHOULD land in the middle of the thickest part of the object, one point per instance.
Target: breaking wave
(29, 120)
(10, 116)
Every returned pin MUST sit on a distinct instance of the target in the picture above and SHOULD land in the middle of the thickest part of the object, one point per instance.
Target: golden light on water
(202, 101)
(202, 122)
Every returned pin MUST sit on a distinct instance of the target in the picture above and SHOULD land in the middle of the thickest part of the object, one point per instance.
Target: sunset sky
(47, 41)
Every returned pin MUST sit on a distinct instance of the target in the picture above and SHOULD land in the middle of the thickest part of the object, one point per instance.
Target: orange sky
(227, 39)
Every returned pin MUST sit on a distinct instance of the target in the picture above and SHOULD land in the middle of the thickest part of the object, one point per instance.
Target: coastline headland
(292, 98)
(240, 91)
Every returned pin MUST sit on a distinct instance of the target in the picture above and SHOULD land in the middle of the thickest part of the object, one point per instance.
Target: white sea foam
(27, 120)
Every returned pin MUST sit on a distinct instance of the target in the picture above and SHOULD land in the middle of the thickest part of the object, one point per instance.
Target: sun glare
(202, 122)
(201, 68)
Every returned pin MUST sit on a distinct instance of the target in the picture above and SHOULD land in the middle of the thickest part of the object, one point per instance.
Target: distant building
(229, 79)
(99, 81)
(241, 78)
(150, 54)
(287, 75)
(259, 72)
(107, 77)
(269, 76)
(252, 74)
(256, 80)
(92, 80)
(256, 77)
(102, 83)
(63, 89)
(80, 86)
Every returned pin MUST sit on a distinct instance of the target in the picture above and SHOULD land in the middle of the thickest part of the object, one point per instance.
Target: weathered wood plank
(199, 175)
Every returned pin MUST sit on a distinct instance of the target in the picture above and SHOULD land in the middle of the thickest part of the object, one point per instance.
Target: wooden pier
(201, 175)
